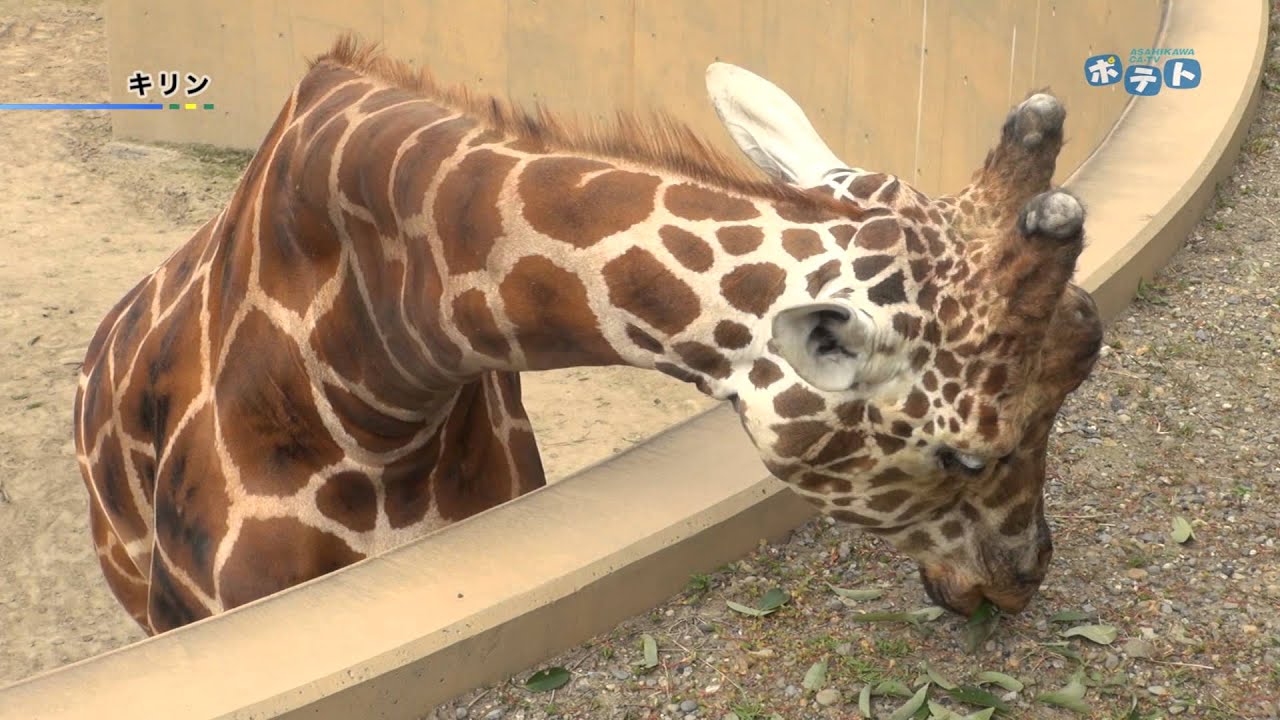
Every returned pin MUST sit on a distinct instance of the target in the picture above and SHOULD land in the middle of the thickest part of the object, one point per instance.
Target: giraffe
(769, 127)
(330, 366)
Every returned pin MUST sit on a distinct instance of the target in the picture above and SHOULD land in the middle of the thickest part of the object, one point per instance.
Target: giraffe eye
(958, 462)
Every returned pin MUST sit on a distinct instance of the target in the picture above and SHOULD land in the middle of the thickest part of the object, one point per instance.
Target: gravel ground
(1180, 419)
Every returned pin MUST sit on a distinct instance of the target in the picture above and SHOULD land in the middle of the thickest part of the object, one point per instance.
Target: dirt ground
(81, 220)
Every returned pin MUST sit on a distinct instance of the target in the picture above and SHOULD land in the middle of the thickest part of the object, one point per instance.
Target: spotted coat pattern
(329, 367)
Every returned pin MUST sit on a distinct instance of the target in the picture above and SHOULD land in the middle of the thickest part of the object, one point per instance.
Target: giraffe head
(914, 397)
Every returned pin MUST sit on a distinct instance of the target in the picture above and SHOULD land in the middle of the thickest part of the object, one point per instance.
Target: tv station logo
(1142, 75)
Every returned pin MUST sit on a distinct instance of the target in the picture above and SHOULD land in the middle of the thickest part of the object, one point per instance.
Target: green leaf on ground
(928, 614)
(650, 651)
(856, 593)
(1008, 682)
(816, 677)
(1101, 634)
(547, 680)
(974, 695)
(938, 712)
(912, 706)
(773, 600)
(1070, 697)
(1182, 531)
(891, 687)
(938, 679)
(864, 701)
(1069, 616)
(980, 625)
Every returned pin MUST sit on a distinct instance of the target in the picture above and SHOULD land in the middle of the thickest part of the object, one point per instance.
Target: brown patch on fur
(557, 204)
(917, 404)
(879, 234)
(796, 438)
(553, 322)
(764, 372)
(843, 234)
(797, 401)
(690, 250)
(732, 335)
(644, 339)
(693, 202)
(466, 209)
(801, 243)
(640, 284)
(753, 288)
(703, 358)
(349, 498)
(369, 427)
(868, 266)
(474, 319)
(267, 411)
(819, 278)
(864, 186)
(740, 239)
(277, 553)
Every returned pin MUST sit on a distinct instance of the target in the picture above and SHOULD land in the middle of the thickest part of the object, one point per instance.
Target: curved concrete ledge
(512, 586)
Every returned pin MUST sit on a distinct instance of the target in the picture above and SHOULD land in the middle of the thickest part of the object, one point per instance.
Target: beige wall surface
(912, 87)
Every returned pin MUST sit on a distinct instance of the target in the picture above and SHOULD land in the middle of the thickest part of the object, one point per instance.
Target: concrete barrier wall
(911, 87)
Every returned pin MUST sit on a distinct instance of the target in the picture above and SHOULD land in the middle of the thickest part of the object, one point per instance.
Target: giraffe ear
(826, 343)
(769, 127)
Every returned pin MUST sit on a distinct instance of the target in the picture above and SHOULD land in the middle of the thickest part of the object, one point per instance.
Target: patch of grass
(1257, 147)
(1151, 293)
(893, 647)
(863, 669)
(698, 585)
(1138, 560)
(226, 162)
(749, 710)
(1241, 490)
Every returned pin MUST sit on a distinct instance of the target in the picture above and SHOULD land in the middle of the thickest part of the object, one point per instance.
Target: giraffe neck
(469, 251)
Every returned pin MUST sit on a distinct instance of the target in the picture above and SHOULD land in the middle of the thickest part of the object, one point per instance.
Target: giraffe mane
(658, 140)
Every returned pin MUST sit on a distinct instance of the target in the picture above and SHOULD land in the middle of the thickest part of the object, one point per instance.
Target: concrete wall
(912, 87)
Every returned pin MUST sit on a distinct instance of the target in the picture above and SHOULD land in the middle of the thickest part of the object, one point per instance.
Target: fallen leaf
(864, 701)
(547, 680)
(1070, 697)
(1101, 634)
(938, 679)
(1008, 682)
(738, 607)
(891, 687)
(884, 617)
(816, 677)
(1067, 616)
(974, 695)
(929, 614)
(980, 625)
(1182, 531)
(856, 593)
(773, 600)
(913, 705)
(650, 650)
(938, 712)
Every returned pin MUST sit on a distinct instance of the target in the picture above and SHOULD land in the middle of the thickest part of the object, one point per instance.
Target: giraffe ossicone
(330, 366)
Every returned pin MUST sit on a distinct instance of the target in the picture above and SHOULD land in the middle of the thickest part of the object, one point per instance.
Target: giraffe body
(329, 368)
